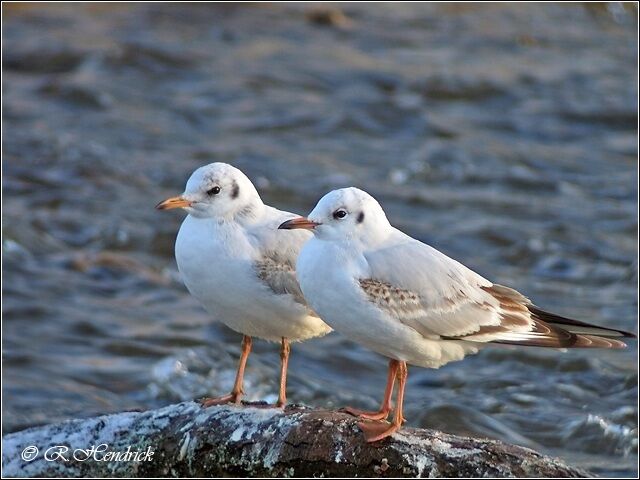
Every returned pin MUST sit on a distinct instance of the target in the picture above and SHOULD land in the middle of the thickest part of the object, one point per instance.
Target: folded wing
(441, 298)
(275, 264)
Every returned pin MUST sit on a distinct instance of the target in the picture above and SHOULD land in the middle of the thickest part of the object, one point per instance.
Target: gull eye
(339, 214)
(213, 191)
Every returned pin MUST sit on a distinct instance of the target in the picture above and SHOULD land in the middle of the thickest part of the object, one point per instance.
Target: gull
(411, 303)
(233, 261)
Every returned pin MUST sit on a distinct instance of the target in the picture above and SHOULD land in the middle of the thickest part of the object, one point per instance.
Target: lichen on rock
(259, 440)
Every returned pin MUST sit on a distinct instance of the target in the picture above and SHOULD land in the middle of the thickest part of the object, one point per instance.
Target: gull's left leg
(385, 408)
(236, 394)
(285, 350)
(377, 431)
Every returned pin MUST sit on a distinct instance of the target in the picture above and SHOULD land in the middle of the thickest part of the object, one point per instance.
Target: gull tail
(575, 326)
(545, 329)
(553, 331)
(583, 335)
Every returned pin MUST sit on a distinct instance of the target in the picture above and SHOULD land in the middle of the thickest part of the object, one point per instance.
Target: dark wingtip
(567, 323)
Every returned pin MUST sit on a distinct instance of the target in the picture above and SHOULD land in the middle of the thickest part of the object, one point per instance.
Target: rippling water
(504, 135)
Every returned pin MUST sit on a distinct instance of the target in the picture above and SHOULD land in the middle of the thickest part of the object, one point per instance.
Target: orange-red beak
(173, 202)
(299, 222)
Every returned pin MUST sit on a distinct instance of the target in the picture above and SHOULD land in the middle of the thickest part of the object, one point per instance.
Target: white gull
(233, 261)
(411, 303)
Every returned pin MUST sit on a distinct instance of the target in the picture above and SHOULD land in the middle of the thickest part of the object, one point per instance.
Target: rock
(186, 440)
(44, 59)
(328, 16)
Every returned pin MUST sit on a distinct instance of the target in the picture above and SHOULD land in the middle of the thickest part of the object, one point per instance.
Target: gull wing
(441, 298)
(279, 274)
(278, 251)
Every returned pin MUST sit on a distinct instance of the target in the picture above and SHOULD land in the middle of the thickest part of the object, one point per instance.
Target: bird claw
(376, 431)
(223, 400)
(363, 414)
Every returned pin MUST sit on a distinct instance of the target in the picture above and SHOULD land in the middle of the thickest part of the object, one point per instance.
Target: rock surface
(253, 440)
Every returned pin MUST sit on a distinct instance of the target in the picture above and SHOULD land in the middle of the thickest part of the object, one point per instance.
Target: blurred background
(504, 135)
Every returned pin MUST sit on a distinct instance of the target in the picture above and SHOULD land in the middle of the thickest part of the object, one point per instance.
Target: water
(504, 135)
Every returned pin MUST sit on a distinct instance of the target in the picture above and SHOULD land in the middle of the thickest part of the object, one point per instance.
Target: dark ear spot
(360, 218)
(235, 190)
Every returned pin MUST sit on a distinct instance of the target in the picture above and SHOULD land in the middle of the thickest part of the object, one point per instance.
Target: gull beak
(299, 222)
(173, 202)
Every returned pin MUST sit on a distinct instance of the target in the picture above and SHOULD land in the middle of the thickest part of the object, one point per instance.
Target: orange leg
(374, 432)
(285, 350)
(385, 408)
(236, 394)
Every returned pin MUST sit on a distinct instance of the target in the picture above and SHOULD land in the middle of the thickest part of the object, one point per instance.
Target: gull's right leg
(374, 432)
(385, 408)
(285, 350)
(236, 394)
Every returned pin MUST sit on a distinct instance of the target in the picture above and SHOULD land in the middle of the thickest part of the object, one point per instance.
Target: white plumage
(244, 278)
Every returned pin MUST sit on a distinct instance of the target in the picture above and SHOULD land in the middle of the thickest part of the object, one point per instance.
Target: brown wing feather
(520, 322)
(429, 320)
(280, 276)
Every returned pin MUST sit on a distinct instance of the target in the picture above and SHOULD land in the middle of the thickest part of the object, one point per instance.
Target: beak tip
(173, 202)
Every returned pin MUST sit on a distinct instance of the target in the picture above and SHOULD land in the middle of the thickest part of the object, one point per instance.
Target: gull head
(345, 214)
(217, 190)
